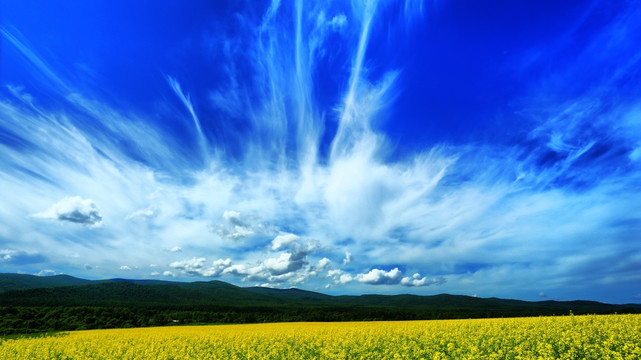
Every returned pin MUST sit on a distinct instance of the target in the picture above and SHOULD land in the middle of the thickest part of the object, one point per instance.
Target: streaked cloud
(284, 170)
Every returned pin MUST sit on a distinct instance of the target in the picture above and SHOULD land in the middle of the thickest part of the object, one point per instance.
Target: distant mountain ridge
(31, 303)
(24, 287)
(9, 282)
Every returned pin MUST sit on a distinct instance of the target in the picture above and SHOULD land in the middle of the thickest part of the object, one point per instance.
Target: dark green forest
(31, 304)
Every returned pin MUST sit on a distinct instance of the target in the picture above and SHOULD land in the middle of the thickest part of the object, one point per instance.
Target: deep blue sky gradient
(490, 148)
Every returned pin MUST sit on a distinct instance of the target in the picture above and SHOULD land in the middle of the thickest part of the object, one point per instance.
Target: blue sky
(465, 147)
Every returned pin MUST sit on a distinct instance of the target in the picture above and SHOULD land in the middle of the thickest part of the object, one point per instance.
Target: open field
(566, 337)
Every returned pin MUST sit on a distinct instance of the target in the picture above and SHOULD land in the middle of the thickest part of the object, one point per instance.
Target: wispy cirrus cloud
(286, 190)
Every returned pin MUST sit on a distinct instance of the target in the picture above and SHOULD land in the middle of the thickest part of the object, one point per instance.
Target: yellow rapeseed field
(567, 337)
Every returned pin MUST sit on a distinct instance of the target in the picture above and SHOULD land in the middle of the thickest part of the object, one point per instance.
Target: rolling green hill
(9, 282)
(34, 304)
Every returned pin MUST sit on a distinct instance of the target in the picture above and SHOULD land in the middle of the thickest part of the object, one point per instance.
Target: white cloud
(232, 217)
(74, 209)
(282, 264)
(380, 277)
(340, 277)
(142, 214)
(198, 267)
(192, 267)
(323, 264)
(348, 258)
(237, 227)
(416, 280)
(437, 210)
(125, 267)
(176, 249)
(284, 241)
(291, 265)
(154, 273)
(168, 273)
(345, 278)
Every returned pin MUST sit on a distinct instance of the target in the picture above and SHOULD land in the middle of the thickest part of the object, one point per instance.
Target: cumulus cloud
(193, 266)
(198, 267)
(340, 277)
(323, 264)
(295, 256)
(176, 249)
(168, 273)
(233, 217)
(291, 265)
(125, 268)
(284, 241)
(285, 263)
(416, 280)
(380, 277)
(74, 209)
(237, 227)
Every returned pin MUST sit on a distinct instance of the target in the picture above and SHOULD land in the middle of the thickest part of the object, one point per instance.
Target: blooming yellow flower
(576, 337)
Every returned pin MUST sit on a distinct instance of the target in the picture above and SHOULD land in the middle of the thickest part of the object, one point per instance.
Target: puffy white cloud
(232, 217)
(416, 280)
(323, 264)
(291, 265)
(380, 277)
(168, 273)
(284, 241)
(192, 267)
(345, 278)
(197, 267)
(283, 264)
(125, 267)
(74, 209)
(237, 227)
(154, 273)
(176, 249)
(222, 263)
(340, 277)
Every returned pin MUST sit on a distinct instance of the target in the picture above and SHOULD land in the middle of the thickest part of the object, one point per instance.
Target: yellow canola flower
(569, 337)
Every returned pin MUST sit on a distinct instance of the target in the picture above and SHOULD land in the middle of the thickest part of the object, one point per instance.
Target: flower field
(566, 337)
